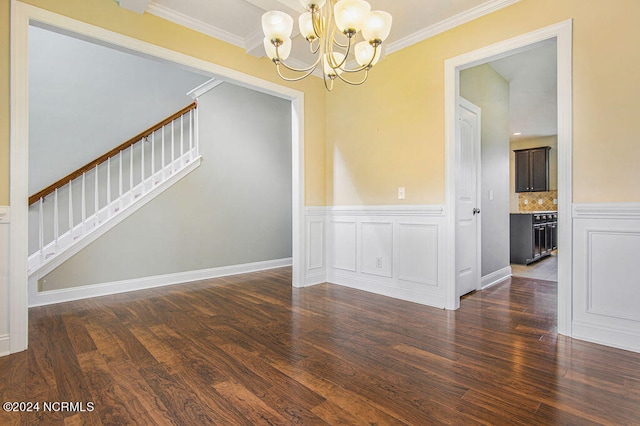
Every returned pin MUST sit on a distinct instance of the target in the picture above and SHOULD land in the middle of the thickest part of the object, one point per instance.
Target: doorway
(562, 34)
(24, 15)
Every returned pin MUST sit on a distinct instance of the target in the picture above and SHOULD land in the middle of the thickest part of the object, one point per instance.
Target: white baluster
(196, 131)
(96, 198)
(162, 168)
(131, 172)
(70, 211)
(55, 218)
(191, 134)
(120, 176)
(172, 147)
(84, 202)
(181, 140)
(109, 186)
(153, 157)
(41, 227)
(142, 163)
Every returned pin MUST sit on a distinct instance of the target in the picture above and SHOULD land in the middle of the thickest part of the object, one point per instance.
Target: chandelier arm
(312, 50)
(331, 61)
(277, 61)
(317, 22)
(355, 83)
(329, 85)
(290, 68)
(305, 75)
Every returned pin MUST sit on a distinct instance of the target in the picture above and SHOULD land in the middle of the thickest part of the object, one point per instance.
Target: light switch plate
(401, 193)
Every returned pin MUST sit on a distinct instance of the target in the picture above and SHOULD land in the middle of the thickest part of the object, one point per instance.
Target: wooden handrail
(73, 175)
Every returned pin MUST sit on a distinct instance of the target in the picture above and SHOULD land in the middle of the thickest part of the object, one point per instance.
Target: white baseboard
(66, 295)
(495, 277)
(387, 288)
(609, 336)
(5, 346)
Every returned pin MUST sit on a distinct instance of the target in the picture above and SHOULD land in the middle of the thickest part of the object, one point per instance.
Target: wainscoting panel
(606, 282)
(390, 250)
(343, 237)
(377, 248)
(315, 250)
(418, 253)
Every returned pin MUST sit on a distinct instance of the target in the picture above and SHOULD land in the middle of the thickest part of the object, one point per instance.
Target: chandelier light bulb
(377, 26)
(277, 25)
(350, 14)
(364, 53)
(284, 49)
(306, 26)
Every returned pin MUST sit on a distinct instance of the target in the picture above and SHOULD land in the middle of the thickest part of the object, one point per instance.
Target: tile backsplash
(530, 201)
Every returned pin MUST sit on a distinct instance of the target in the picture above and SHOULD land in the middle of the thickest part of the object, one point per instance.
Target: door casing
(562, 33)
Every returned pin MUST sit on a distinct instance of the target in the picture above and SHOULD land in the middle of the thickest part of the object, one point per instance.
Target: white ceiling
(239, 22)
(532, 77)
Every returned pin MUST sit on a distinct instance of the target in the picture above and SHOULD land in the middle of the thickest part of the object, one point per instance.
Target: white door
(467, 199)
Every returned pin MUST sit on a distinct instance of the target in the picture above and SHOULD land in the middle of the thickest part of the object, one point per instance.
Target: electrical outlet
(378, 262)
(540, 201)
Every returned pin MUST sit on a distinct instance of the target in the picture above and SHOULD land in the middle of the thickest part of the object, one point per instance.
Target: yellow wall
(107, 14)
(390, 132)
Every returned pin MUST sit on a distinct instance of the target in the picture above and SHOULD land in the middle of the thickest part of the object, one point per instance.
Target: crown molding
(452, 22)
(194, 24)
(204, 88)
(253, 41)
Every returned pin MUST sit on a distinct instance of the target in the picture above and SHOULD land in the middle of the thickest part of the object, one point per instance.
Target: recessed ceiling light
(517, 133)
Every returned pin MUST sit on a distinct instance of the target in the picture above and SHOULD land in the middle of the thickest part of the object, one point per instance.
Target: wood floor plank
(250, 349)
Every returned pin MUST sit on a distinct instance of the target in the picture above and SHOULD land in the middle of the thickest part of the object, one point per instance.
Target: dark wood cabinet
(533, 236)
(532, 169)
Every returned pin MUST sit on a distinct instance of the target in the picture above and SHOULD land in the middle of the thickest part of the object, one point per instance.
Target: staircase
(69, 214)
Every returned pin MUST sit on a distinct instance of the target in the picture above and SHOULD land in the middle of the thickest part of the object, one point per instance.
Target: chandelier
(331, 29)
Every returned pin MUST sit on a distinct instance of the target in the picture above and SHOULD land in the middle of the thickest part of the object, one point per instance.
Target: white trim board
(5, 345)
(37, 298)
(606, 211)
(22, 15)
(495, 277)
(562, 32)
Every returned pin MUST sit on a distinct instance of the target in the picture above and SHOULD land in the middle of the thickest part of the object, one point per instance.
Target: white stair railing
(61, 215)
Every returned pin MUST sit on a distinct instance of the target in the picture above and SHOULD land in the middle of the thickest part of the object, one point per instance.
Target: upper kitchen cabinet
(532, 169)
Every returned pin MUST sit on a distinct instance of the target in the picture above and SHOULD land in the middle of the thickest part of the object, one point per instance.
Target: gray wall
(488, 90)
(235, 208)
(85, 99)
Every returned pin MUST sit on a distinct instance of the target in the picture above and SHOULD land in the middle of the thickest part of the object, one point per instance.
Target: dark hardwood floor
(250, 349)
